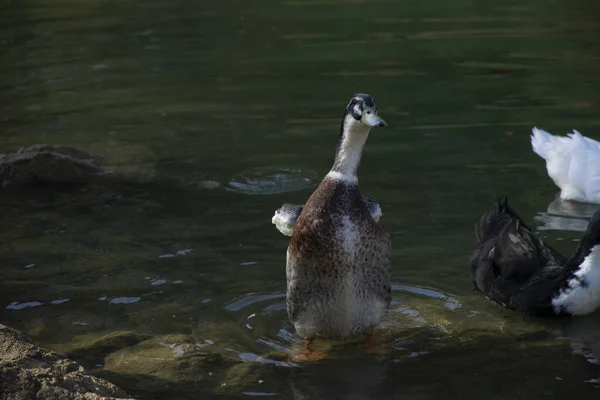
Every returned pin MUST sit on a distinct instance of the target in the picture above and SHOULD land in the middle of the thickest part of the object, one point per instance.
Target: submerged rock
(90, 349)
(48, 164)
(171, 358)
(31, 372)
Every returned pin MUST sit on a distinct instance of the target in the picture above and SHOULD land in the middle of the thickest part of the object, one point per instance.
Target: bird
(573, 163)
(338, 262)
(285, 217)
(515, 268)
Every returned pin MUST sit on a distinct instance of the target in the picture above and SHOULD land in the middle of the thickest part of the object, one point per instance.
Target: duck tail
(542, 142)
(494, 219)
(503, 204)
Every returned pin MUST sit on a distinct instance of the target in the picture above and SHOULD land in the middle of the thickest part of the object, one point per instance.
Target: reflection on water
(214, 114)
(259, 394)
(584, 336)
(565, 215)
(177, 253)
(124, 300)
(249, 357)
(19, 306)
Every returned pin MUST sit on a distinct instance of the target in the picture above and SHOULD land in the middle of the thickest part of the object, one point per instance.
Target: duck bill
(373, 120)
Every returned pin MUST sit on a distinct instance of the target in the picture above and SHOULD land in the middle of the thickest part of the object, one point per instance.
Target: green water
(250, 95)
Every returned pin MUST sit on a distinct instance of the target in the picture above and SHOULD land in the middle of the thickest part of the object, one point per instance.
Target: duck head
(362, 109)
(359, 117)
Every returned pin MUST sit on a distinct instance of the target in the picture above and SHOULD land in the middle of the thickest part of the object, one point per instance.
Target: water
(181, 97)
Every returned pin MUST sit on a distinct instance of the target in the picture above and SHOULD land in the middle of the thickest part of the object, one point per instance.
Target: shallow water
(168, 285)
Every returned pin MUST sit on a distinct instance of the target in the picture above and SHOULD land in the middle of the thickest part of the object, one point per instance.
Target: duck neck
(586, 244)
(349, 149)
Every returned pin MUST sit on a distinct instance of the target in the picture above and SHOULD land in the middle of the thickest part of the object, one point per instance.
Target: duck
(338, 261)
(285, 217)
(573, 163)
(515, 268)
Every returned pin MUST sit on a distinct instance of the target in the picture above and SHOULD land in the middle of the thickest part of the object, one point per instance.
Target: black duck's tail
(494, 219)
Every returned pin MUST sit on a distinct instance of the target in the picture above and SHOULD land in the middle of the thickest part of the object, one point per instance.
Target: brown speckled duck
(339, 259)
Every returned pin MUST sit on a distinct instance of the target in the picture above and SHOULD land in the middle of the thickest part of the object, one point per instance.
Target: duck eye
(368, 111)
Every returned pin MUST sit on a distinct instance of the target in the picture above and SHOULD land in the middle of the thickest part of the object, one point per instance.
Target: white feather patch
(376, 213)
(582, 298)
(283, 223)
(350, 179)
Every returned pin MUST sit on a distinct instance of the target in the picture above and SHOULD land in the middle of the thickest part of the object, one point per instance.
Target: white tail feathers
(573, 163)
(542, 142)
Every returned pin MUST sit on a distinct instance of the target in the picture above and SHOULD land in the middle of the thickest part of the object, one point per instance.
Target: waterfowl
(573, 163)
(285, 217)
(513, 267)
(339, 260)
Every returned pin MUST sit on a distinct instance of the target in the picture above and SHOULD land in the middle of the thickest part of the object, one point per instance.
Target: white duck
(573, 163)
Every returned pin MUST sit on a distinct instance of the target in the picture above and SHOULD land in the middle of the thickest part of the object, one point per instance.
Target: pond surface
(167, 276)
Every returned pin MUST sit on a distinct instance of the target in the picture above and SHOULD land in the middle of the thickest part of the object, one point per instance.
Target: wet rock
(273, 367)
(31, 372)
(48, 164)
(171, 358)
(170, 366)
(92, 348)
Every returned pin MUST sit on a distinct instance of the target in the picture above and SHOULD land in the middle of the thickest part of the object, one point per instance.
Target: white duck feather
(573, 163)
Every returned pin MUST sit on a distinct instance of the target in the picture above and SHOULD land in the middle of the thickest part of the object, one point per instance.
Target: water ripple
(270, 180)
(451, 302)
(251, 299)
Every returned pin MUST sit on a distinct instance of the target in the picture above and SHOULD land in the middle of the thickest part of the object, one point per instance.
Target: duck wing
(373, 207)
(515, 256)
(513, 266)
(518, 254)
(285, 218)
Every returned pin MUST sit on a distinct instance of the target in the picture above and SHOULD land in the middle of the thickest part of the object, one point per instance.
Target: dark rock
(48, 164)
